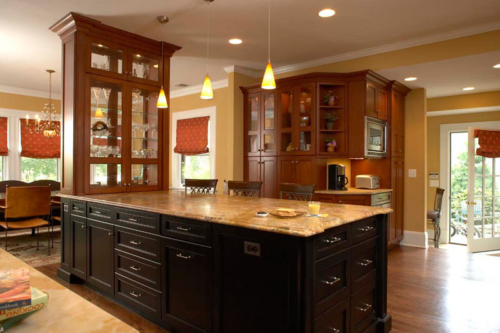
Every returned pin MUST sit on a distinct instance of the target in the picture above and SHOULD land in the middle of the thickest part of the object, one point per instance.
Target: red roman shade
(192, 136)
(489, 143)
(4, 146)
(36, 145)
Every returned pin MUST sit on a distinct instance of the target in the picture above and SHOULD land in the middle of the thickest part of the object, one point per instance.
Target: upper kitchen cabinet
(113, 132)
(376, 101)
(260, 124)
(397, 93)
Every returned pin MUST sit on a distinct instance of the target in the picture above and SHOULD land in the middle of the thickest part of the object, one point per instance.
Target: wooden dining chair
(435, 216)
(244, 189)
(296, 192)
(201, 186)
(26, 208)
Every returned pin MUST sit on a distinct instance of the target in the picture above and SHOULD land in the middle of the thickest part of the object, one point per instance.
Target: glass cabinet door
(268, 145)
(145, 124)
(286, 111)
(306, 117)
(253, 142)
(144, 175)
(106, 58)
(144, 67)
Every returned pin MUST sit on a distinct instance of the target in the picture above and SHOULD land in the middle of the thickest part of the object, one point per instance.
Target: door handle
(135, 295)
(332, 240)
(365, 263)
(366, 308)
(179, 255)
(183, 229)
(135, 242)
(137, 269)
(332, 282)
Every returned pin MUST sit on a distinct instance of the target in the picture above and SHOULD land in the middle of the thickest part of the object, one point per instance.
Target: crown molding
(463, 111)
(197, 89)
(244, 70)
(392, 47)
(28, 92)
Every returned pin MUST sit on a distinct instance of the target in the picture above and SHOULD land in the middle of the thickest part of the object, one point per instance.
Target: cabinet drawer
(335, 319)
(363, 308)
(332, 240)
(332, 281)
(142, 299)
(78, 208)
(144, 221)
(100, 212)
(364, 229)
(138, 269)
(186, 229)
(381, 198)
(135, 242)
(364, 263)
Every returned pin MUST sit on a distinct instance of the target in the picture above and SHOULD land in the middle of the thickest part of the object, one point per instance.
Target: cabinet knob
(110, 234)
(340, 201)
(84, 226)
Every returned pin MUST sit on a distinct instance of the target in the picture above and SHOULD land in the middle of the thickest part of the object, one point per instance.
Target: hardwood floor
(433, 290)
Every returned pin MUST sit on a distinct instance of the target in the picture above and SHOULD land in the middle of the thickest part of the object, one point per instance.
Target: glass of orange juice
(314, 207)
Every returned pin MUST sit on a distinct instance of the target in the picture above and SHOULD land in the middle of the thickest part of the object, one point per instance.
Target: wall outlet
(412, 173)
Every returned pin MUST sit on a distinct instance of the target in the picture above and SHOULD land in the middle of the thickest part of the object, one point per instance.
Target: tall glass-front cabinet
(114, 136)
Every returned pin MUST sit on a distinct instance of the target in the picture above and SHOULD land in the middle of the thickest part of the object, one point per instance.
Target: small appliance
(375, 140)
(367, 181)
(335, 178)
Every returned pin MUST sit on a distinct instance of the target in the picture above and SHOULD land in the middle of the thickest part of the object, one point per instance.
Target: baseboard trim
(415, 239)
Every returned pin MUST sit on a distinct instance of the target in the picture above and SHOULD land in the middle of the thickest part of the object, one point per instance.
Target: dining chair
(435, 216)
(244, 189)
(26, 208)
(201, 186)
(296, 192)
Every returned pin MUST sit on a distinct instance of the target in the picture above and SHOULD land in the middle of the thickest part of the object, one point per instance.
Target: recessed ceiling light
(411, 78)
(235, 41)
(327, 12)
(468, 88)
(496, 66)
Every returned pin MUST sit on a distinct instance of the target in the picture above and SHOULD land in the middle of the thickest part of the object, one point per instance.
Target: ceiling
(27, 47)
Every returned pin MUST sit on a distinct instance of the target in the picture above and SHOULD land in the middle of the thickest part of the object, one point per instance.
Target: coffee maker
(336, 179)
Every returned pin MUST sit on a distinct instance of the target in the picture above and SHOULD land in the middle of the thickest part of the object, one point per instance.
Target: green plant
(331, 117)
(331, 142)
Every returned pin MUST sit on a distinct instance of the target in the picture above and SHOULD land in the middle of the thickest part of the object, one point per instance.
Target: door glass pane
(253, 144)
(305, 104)
(144, 123)
(459, 187)
(478, 228)
(488, 227)
(144, 175)
(488, 166)
(109, 175)
(497, 223)
(286, 142)
(305, 143)
(269, 112)
(269, 143)
(106, 58)
(254, 113)
(106, 119)
(286, 109)
(144, 67)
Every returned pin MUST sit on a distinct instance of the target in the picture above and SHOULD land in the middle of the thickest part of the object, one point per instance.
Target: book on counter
(39, 301)
(15, 289)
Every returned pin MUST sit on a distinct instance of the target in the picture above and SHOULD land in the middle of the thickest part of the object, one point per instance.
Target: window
(38, 168)
(195, 167)
(2, 161)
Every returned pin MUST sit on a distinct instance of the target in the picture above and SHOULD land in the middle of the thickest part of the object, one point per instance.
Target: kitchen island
(206, 263)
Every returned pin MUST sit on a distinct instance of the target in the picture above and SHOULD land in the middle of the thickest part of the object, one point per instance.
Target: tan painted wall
(25, 103)
(465, 101)
(415, 158)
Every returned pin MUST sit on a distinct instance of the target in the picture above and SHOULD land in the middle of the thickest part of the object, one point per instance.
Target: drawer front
(381, 198)
(332, 281)
(333, 240)
(78, 208)
(144, 221)
(135, 242)
(364, 229)
(363, 308)
(143, 271)
(364, 263)
(143, 299)
(186, 229)
(335, 319)
(100, 212)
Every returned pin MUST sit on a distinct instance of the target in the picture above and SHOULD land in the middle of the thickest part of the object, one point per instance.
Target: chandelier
(47, 123)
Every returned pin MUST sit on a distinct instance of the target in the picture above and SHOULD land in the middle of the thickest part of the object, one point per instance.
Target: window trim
(175, 163)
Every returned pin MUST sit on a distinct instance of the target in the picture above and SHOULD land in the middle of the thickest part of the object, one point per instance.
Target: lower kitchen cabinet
(297, 169)
(262, 169)
(396, 219)
(79, 247)
(348, 199)
(100, 256)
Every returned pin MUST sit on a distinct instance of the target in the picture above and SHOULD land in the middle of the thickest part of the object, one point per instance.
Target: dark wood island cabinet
(195, 263)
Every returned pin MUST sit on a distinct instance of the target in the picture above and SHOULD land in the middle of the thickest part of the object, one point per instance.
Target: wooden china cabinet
(114, 137)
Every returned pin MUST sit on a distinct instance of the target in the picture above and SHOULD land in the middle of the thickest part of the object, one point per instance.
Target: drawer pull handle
(134, 294)
(135, 242)
(331, 282)
(131, 219)
(366, 307)
(334, 330)
(365, 229)
(332, 240)
(137, 269)
(179, 255)
(97, 212)
(110, 234)
(183, 229)
(366, 263)
(84, 226)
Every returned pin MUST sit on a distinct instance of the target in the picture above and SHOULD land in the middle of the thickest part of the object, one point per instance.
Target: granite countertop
(66, 311)
(237, 211)
(352, 190)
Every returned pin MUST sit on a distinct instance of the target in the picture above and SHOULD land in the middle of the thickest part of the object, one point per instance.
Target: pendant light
(207, 91)
(268, 80)
(162, 98)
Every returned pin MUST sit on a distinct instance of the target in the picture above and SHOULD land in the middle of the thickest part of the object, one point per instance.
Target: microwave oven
(375, 137)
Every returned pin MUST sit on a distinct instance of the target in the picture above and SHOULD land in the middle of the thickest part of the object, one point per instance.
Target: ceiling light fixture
(411, 78)
(496, 66)
(468, 88)
(162, 98)
(327, 12)
(235, 41)
(206, 91)
(268, 80)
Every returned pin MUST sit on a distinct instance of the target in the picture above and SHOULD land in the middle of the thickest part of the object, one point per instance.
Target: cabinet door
(79, 247)
(252, 121)
(187, 285)
(305, 171)
(252, 169)
(398, 124)
(371, 97)
(268, 177)
(305, 120)
(381, 109)
(66, 235)
(106, 58)
(287, 170)
(396, 219)
(360, 200)
(144, 67)
(286, 121)
(100, 255)
(328, 198)
(268, 140)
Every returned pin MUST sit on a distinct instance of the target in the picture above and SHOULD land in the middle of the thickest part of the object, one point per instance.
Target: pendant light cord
(269, 33)
(161, 64)
(208, 34)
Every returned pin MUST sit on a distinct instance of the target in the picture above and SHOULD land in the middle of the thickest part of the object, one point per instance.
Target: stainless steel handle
(137, 269)
(84, 226)
(334, 330)
(97, 212)
(365, 229)
(365, 263)
(331, 282)
(183, 229)
(179, 255)
(366, 308)
(132, 293)
(131, 219)
(332, 240)
(135, 242)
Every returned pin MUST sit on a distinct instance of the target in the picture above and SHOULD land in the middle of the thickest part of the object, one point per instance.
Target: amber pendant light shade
(206, 91)
(162, 98)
